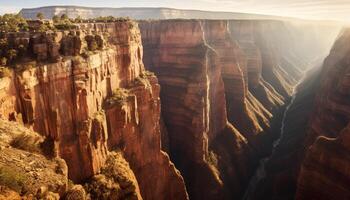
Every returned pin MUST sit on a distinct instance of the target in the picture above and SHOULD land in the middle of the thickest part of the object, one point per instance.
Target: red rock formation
(192, 92)
(251, 67)
(244, 111)
(324, 172)
(134, 127)
(64, 100)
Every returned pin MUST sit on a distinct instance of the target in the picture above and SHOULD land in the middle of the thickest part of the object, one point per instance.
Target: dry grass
(27, 143)
(12, 179)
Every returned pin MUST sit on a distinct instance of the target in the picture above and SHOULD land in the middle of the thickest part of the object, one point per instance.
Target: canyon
(257, 80)
(180, 109)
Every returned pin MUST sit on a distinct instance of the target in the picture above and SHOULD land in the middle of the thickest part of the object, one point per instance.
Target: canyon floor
(176, 109)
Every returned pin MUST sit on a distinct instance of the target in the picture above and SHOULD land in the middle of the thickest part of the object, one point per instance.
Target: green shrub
(65, 26)
(12, 23)
(120, 95)
(55, 19)
(11, 55)
(44, 28)
(40, 16)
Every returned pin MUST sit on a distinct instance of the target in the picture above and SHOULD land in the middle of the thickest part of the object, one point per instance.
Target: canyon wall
(70, 93)
(193, 108)
(216, 74)
(216, 110)
(324, 171)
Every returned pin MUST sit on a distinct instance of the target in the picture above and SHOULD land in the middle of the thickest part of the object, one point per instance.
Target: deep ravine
(260, 172)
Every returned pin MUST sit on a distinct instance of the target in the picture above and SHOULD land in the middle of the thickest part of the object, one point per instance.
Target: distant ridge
(139, 13)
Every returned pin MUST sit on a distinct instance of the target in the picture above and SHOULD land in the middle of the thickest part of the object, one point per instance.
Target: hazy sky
(313, 9)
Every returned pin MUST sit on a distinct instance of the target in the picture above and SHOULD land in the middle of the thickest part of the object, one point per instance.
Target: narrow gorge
(176, 109)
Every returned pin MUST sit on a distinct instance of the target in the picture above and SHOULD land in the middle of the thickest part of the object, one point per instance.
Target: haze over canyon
(172, 104)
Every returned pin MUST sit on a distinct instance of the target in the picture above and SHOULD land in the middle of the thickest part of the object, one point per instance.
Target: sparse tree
(78, 19)
(55, 19)
(12, 23)
(40, 16)
(64, 17)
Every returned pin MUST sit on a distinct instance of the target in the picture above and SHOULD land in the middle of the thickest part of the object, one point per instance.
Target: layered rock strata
(238, 71)
(63, 95)
(203, 144)
(205, 66)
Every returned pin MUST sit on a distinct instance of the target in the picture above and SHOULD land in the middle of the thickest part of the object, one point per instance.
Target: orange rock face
(221, 86)
(66, 101)
(7, 98)
(212, 71)
(134, 127)
(194, 106)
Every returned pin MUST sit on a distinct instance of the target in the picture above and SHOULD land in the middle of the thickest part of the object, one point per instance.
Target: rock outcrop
(65, 98)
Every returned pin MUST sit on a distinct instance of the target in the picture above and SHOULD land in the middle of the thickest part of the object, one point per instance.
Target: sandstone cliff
(68, 95)
(27, 173)
(222, 89)
(203, 144)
